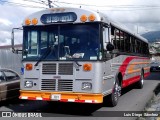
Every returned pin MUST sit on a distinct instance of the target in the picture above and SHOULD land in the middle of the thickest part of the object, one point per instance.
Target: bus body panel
(100, 77)
(68, 80)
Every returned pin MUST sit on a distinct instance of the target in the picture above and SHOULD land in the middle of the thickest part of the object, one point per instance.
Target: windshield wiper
(79, 65)
(73, 58)
(45, 54)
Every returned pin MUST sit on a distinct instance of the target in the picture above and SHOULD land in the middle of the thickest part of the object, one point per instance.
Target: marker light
(27, 21)
(83, 18)
(29, 66)
(34, 21)
(92, 17)
(87, 67)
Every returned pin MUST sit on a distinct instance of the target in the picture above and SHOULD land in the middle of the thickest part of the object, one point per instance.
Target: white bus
(79, 55)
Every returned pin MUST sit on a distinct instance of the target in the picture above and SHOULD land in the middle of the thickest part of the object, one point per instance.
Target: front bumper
(61, 96)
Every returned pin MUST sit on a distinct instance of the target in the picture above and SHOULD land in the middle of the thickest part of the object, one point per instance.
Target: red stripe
(63, 100)
(130, 81)
(124, 65)
(80, 101)
(146, 74)
(133, 80)
(126, 62)
(46, 99)
(31, 98)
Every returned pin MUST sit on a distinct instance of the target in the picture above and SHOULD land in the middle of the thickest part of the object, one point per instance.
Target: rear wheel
(116, 93)
(139, 84)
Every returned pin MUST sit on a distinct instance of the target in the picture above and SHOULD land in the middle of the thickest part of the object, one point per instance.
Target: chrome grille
(48, 84)
(49, 68)
(65, 85)
(65, 69)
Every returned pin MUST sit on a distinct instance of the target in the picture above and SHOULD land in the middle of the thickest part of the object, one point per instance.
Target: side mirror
(110, 47)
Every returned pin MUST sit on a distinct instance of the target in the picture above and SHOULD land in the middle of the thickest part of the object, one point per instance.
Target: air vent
(65, 85)
(48, 84)
(65, 69)
(49, 68)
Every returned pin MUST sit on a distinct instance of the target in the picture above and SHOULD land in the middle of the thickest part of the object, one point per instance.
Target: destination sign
(58, 17)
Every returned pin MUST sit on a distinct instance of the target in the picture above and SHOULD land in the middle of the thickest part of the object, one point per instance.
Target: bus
(79, 55)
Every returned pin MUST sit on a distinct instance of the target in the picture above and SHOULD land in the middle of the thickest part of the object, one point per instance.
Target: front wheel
(116, 93)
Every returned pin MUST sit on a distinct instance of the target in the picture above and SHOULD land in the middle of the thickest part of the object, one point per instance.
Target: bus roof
(70, 15)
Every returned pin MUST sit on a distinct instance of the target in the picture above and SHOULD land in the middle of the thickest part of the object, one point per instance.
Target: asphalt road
(154, 76)
(132, 99)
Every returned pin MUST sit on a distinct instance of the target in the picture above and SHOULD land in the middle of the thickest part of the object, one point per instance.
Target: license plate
(55, 97)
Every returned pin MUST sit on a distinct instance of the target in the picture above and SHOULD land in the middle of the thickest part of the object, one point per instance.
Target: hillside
(153, 36)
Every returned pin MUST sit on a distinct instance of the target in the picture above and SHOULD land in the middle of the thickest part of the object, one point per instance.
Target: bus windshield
(64, 42)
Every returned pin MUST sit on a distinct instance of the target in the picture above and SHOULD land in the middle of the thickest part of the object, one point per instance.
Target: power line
(40, 2)
(19, 4)
(134, 7)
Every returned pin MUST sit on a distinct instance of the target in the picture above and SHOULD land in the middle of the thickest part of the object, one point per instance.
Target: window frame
(17, 77)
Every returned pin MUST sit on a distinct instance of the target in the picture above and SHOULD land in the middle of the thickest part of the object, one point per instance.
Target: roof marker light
(91, 17)
(34, 21)
(83, 18)
(27, 21)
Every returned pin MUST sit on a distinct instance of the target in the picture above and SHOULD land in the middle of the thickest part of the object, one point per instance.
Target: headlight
(28, 84)
(86, 86)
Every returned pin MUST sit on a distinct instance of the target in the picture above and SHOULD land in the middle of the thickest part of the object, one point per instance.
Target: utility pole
(49, 3)
(137, 30)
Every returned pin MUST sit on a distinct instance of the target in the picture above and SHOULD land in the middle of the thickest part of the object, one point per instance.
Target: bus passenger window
(133, 45)
(2, 78)
(127, 42)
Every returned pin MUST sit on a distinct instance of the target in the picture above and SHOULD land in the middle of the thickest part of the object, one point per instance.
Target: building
(9, 47)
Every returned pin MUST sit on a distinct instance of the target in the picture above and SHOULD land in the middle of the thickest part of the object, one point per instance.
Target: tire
(139, 84)
(116, 93)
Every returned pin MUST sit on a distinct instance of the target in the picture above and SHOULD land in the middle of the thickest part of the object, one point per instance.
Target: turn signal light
(83, 18)
(34, 21)
(92, 17)
(27, 21)
(87, 67)
(29, 66)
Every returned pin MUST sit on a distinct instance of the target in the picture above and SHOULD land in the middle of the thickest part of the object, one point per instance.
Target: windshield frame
(40, 28)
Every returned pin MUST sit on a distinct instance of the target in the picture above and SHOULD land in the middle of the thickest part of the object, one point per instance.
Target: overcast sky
(138, 15)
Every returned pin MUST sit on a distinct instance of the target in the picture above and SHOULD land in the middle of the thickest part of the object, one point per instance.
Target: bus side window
(117, 39)
(127, 40)
(122, 42)
(133, 45)
(113, 37)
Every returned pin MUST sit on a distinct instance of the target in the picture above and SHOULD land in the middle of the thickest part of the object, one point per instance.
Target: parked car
(9, 84)
(155, 66)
